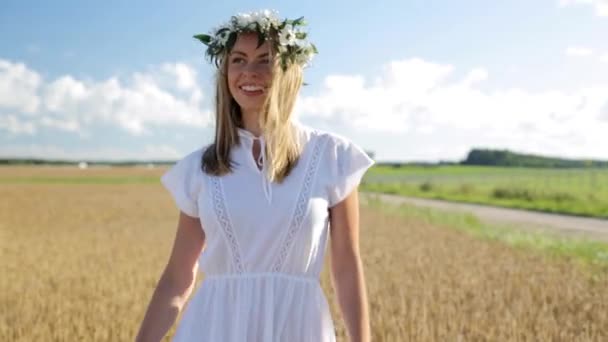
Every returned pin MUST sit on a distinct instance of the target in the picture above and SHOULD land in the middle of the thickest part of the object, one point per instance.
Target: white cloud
(417, 99)
(415, 75)
(442, 114)
(19, 87)
(604, 112)
(185, 76)
(63, 91)
(475, 76)
(350, 99)
(600, 6)
(68, 126)
(144, 99)
(164, 95)
(576, 51)
(168, 94)
(14, 125)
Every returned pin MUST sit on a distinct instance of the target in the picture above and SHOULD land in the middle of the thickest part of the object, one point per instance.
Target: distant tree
(488, 157)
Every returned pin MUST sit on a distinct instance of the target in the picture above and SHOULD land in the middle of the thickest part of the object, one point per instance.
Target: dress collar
(246, 134)
(261, 161)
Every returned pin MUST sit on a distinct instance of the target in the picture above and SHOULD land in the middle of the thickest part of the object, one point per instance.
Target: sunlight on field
(80, 262)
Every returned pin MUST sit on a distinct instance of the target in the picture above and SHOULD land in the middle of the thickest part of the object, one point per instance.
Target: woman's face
(249, 72)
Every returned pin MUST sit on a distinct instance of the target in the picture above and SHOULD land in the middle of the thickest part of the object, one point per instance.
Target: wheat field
(80, 261)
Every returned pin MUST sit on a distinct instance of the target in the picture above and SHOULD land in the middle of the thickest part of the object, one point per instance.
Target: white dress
(265, 242)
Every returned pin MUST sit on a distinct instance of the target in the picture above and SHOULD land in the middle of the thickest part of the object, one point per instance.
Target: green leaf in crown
(204, 38)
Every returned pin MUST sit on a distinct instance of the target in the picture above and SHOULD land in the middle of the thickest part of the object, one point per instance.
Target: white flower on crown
(287, 36)
(273, 18)
(303, 43)
(266, 19)
(244, 20)
(304, 58)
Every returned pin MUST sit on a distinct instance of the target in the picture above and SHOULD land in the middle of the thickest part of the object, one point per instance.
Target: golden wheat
(80, 262)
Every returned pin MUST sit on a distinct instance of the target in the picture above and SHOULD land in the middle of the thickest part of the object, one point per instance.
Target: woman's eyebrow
(237, 52)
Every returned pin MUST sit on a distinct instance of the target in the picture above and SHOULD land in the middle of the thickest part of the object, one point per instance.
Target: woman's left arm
(347, 269)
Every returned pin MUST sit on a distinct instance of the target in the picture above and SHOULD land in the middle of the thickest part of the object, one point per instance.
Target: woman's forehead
(247, 43)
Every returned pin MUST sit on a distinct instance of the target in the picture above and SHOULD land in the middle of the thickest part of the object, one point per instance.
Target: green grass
(582, 192)
(589, 252)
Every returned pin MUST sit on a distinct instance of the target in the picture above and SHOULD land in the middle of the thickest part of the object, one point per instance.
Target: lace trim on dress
(222, 215)
(301, 206)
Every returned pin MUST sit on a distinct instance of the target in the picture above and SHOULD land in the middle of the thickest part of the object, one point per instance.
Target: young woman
(258, 205)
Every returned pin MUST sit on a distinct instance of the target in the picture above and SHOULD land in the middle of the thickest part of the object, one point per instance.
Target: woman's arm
(347, 269)
(176, 281)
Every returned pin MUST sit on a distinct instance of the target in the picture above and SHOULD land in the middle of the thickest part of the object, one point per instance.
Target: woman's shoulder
(183, 179)
(344, 163)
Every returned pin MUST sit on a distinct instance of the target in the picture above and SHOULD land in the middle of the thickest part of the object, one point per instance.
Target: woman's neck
(251, 123)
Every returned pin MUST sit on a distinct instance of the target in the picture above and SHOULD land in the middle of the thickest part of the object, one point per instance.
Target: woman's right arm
(176, 282)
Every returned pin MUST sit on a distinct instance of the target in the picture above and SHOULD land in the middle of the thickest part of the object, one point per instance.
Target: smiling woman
(256, 205)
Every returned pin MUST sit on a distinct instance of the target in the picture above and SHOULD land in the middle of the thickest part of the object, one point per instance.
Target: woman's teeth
(251, 88)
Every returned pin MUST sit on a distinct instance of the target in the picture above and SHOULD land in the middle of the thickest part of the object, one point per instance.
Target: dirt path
(523, 219)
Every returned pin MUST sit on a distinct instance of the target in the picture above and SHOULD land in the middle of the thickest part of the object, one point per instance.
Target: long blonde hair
(282, 144)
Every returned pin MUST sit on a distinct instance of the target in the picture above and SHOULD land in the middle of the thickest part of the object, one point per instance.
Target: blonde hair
(282, 144)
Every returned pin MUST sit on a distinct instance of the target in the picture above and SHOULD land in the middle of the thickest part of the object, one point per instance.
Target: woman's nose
(254, 68)
(249, 67)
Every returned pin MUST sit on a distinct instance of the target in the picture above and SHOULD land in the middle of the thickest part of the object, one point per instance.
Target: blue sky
(409, 80)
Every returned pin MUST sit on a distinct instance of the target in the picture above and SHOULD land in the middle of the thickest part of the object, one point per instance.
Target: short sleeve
(347, 165)
(183, 181)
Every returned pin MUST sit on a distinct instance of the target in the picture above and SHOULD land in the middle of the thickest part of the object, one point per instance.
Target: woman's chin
(251, 106)
(250, 109)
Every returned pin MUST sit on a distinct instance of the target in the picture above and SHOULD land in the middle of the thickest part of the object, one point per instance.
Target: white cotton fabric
(265, 242)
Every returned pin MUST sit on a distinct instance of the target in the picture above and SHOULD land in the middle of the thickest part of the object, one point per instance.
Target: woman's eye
(237, 60)
(265, 61)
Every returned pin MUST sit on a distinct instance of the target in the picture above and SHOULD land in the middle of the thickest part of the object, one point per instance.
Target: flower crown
(292, 45)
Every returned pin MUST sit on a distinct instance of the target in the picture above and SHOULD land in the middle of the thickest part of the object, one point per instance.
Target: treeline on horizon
(477, 156)
(506, 158)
